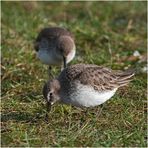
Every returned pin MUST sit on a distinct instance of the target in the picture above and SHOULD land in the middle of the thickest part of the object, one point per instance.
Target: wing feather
(100, 78)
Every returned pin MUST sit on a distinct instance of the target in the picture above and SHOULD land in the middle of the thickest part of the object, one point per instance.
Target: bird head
(65, 45)
(51, 91)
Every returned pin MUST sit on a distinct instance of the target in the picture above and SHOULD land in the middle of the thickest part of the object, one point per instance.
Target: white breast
(48, 58)
(88, 97)
(71, 55)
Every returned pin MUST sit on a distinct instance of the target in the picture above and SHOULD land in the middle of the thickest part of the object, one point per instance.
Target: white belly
(88, 97)
(71, 55)
(48, 58)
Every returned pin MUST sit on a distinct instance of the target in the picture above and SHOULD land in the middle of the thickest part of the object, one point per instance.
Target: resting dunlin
(85, 85)
(55, 46)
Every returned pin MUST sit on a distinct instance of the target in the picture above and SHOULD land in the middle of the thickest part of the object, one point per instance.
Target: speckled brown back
(100, 78)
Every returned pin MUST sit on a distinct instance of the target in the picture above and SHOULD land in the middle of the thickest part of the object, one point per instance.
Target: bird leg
(100, 110)
(64, 62)
(50, 72)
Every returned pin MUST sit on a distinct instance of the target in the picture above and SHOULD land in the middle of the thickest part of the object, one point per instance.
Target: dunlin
(55, 46)
(85, 85)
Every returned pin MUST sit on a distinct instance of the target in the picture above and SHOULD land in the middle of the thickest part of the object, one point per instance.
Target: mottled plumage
(101, 78)
(85, 85)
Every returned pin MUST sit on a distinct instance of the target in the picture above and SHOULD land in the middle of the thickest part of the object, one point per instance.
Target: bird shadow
(21, 117)
(29, 96)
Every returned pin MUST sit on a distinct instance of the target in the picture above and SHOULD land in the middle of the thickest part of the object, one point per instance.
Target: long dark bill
(48, 107)
(64, 60)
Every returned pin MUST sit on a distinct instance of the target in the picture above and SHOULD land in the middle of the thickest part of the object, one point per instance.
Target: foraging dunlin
(55, 45)
(85, 85)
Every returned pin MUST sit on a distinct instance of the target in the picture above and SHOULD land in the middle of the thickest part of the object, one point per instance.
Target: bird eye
(50, 94)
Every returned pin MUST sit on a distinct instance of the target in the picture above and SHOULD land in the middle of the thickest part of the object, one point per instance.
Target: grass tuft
(107, 33)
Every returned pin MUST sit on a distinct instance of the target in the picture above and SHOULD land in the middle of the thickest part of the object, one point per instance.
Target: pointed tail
(125, 77)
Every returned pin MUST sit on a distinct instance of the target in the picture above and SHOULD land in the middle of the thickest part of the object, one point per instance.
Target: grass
(107, 33)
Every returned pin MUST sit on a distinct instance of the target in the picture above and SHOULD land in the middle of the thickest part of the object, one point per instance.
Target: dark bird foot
(100, 110)
(50, 72)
